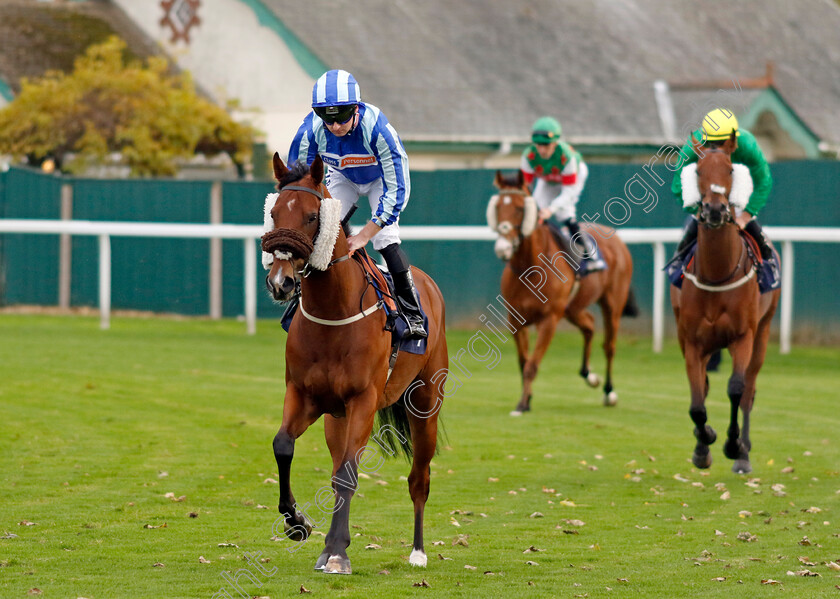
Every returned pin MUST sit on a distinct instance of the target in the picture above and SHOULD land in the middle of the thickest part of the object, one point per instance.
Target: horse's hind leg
(585, 322)
(298, 414)
(423, 415)
(612, 317)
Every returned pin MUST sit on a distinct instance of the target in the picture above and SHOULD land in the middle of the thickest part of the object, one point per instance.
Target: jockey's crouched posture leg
(407, 297)
(585, 246)
(689, 237)
(757, 233)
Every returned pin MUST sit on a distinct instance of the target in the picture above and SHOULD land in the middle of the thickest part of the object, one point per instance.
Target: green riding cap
(545, 130)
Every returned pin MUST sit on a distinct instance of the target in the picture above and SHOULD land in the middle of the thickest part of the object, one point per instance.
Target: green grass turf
(98, 426)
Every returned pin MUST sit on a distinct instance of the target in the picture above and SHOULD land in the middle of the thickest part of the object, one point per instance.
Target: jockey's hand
(743, 219)
(360, 239)
(545, 214)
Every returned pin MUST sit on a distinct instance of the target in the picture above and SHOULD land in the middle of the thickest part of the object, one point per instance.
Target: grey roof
(489, 68)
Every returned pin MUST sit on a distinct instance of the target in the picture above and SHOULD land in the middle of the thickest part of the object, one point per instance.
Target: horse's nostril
(287, 285)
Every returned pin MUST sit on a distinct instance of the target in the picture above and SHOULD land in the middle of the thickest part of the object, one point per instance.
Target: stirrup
(415, 329)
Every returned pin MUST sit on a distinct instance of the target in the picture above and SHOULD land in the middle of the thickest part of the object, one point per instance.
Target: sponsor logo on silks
(353, 160)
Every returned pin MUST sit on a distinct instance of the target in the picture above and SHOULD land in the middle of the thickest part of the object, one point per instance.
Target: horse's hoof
(702, 461)
(292, 528)
(516, 412)
(710, 434)
(321, 562)
(338, 565)
(732, 449)
(742, 467)
(593, 380)
(610, 399)
(417, 558)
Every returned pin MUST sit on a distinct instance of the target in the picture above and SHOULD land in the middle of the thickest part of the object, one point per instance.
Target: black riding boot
(755, 231)
(586, 248)
(689, 236)
(407, 297)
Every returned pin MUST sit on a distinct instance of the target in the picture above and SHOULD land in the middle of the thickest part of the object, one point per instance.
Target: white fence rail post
(250, 286)
(786, 325)
(658, 296)
(104, 282)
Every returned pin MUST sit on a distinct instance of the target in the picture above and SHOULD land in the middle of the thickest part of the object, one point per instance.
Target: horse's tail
(393, 433)
(631, 308)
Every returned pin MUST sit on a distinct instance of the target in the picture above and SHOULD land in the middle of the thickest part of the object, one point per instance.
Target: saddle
(564, 240)
(766, 269)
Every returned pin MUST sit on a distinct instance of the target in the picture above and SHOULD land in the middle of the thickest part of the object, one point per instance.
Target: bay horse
(720, 305)
(539, 283)
(337, 362)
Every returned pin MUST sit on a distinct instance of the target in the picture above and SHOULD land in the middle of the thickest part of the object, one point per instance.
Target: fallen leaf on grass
(804, 572)
(805, 542)
(469, 567)
(227, 545)
(812, 510)
(746, 537)
(744, 514)
(461, 540)
(719, 533)
(152, 526)
(530, 563)
(177, 499)
(770, 581)
(725, 496)
(202, 560)
(384, 572)
(492, 480)
(536, 515)
(719, 579)
(158, 565)
(833, 566)
(568, 503)
(9, 535)
(422, 583)
(34, 591)
(680, 478)
(438, 543)
(193, 514)
(269, 481)
(806, 562)
(27, 523)
(440, 557)
(532, 549)
(303, 590)
(373, 546)
(572, 522)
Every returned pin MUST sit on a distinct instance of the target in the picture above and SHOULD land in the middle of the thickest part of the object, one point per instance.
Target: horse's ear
(731, 144)
(498, 181)
(316, 170)
(280, 169)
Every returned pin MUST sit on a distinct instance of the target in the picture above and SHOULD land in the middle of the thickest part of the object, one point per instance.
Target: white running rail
(104, 230)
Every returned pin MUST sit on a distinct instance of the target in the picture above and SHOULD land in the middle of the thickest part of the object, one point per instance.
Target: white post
(787, 297)
(250, 287)
(104, 282)
(658, 295)
(65, 244)
(216, 252)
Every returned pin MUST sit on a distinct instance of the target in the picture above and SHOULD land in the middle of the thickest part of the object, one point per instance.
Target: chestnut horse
(337, 361)
(720, 305)
(539, 283)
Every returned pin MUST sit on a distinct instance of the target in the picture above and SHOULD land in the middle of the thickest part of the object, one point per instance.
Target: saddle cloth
(768, 280)
(561, 234)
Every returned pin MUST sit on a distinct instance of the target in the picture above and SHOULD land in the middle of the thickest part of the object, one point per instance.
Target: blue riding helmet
(335, 96)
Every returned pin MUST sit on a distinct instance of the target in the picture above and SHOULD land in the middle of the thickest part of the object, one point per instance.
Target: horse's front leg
(695, 366)
(346, 438)
(298, 414)
(521, 339)
(737, 448)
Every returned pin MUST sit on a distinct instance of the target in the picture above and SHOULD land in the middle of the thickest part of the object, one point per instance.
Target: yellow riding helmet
(719, 124)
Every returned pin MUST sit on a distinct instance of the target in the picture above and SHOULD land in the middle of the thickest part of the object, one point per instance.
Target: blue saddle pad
(768, 278)
(563, 233)
(411, 346)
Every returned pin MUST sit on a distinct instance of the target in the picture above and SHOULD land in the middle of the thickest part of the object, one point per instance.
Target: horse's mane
(511, 180)
(298, 171)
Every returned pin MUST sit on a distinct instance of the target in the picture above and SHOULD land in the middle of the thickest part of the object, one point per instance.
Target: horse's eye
(311, 218)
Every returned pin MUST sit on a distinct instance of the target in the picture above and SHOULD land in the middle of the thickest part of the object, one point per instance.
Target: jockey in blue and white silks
(370, 156)
(364, 156)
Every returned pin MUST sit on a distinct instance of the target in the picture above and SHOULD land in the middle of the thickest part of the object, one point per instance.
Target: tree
(148, 115)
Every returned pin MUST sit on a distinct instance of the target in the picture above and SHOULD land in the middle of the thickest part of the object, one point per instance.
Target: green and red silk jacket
(560, 168)
(747, 153)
